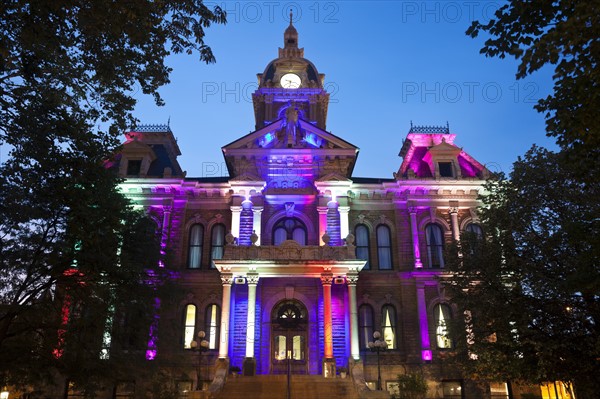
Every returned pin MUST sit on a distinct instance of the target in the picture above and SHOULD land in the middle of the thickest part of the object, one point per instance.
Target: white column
(351, 280)
(423, 322)
(415, 237)
(257, 222)
(164, 239)
(252, 279)
(322, 222)
(236, 212)
(454, 219)
(344, 225)
(227, 280)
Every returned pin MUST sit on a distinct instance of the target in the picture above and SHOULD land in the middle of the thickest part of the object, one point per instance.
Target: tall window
(289, 229)
(195, 246)
(217, 242)
(388, 325)
(384, 247)
(365, 325)
(442, 316)
(361, 232)
(213, 320)
(189, 325)
(435, 245)
(475, 229)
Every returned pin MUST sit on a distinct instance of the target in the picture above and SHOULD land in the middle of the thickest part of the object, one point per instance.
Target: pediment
(246, 177)
(334, 177)
(277, 136)
(444, 148)
(136, 147)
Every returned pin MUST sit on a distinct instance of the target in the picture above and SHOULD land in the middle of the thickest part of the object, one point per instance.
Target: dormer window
(134, 167)
(446, 169)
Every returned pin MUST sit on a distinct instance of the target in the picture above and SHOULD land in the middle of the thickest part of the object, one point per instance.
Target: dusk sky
(386, 63)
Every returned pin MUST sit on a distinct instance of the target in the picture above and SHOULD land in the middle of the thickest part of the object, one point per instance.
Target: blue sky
(387, 63)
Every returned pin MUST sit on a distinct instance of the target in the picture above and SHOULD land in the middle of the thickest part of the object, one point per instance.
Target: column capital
(453, 210)
(322, 210)
(226, 278)
(343, 208)
(257, 209)
(252, 278)
(412, 210)
(235, 208)
(326, 278)
(352, 279)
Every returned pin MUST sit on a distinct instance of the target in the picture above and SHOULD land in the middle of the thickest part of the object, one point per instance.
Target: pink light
(426, 355)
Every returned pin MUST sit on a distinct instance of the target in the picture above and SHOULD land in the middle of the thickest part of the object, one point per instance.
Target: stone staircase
(275, 387)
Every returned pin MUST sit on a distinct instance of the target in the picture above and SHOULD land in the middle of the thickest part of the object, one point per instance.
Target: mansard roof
(426, 145)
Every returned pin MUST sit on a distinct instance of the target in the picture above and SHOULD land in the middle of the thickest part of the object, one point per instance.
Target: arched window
(384, 247)
(475, 229)
(195, 246)
(442, 316)
(189, 325)
(289, 229)
(217, 242)
(435, 245)
(361, 234)
(388, 325)
(212, 321)
(365, 325)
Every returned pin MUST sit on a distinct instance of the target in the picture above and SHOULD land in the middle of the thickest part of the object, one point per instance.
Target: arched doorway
(289, 326)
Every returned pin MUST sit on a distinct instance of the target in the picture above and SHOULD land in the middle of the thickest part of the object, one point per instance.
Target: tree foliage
(532, 288)
(565, 34)
(411, 386)
(68, 74)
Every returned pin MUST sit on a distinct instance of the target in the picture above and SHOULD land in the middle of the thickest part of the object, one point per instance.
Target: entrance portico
(293, 266)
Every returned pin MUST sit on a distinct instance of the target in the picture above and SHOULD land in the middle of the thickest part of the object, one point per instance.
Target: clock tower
(290, 81)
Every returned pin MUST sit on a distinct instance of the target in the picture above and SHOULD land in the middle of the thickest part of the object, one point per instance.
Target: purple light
(426, 355)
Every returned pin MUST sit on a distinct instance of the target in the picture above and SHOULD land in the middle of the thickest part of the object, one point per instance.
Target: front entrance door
(289, 338)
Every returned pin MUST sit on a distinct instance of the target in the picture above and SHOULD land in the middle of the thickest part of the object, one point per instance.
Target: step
(275, 387)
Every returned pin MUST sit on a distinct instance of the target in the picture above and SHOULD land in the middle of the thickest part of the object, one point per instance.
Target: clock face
(290, 81)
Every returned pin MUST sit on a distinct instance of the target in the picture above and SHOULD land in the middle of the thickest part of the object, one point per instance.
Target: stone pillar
(344, 224)
(227, 280)
(322, 222)
(328, 360)
(250, 362)
(236, 212)
(351, 280)
(257, 222)
(415, 236)
(423, 322)
(164, 239)
(454, 219)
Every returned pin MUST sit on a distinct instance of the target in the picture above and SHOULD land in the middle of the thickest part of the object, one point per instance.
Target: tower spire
(291, 15)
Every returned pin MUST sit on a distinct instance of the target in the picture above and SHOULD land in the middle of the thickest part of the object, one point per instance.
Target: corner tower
(290, 81)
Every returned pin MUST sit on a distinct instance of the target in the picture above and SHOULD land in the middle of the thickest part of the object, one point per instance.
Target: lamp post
(377, 346)
(4, 393)
(200, 345)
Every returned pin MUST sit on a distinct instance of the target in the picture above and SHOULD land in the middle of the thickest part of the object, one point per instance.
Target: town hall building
(292, 263)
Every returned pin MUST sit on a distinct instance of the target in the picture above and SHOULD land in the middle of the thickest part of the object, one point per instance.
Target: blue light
(266, 139)
(313, 139)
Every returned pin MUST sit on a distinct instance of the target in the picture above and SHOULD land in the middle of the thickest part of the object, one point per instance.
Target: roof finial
(291, 16)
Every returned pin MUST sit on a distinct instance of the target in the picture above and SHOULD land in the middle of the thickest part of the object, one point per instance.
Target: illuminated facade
(292, 256)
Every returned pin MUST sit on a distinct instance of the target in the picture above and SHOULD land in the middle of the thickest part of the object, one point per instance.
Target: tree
(70, 242)
(531, 287)
(411, 386)
(565, 34)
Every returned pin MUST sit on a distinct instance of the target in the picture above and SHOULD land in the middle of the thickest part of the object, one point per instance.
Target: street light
(200, 345)
(378, 346)
(4, 393)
